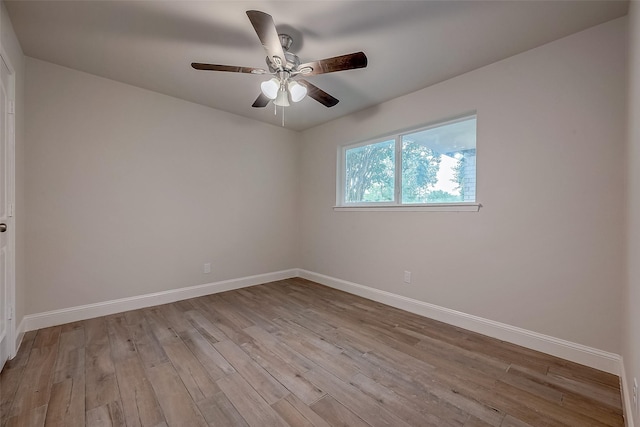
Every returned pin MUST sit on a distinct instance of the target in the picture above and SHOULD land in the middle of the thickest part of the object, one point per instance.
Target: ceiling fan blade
(268, 35)
(261, 101)
(318, 94)
(331, 65)
(229, 68)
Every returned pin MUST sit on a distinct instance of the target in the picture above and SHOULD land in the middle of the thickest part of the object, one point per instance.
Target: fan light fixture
(279, 91)
(297, 91)
(270, 88)
(282, 99)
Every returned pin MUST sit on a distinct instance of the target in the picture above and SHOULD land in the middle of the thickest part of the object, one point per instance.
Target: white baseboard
(73, 314)
(627, 400)
(592, 357)
(19, 336)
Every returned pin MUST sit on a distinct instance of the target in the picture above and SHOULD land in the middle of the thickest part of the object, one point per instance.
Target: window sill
(440, 207)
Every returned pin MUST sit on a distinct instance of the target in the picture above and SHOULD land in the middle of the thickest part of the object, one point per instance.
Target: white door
(6, 216)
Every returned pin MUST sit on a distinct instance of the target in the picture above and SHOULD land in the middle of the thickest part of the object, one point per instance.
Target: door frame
(11, 196)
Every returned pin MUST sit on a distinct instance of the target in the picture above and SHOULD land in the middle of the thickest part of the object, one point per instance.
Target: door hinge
(10, 313)
(12, 107)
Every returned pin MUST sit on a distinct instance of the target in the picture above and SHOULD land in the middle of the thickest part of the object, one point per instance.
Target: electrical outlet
(206, 269)
(407, 276)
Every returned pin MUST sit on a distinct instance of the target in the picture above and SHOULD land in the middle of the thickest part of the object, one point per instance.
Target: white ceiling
(410, 44)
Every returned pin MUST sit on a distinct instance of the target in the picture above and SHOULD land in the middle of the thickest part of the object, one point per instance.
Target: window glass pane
(369, 173)
(439, 164)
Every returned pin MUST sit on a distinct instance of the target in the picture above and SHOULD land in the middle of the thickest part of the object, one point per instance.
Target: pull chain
(275, 112)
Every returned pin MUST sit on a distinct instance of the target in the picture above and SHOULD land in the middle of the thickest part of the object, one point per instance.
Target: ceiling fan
(286, 67)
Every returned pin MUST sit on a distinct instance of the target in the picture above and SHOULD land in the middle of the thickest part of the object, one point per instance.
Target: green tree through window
(370, 173)
(420, 167)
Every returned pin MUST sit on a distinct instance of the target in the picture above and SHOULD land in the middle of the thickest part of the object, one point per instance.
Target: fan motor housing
(292, 60)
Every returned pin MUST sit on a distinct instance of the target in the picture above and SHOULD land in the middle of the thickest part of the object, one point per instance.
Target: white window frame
(397, 204)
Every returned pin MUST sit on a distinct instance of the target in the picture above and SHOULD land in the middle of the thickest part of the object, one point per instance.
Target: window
(430, 166)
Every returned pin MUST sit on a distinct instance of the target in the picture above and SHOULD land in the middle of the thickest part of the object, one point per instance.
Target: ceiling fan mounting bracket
(285, 41)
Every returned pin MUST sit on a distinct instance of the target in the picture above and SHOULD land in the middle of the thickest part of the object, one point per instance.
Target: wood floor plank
(267, 386)
(560, 415)
(219, 411)
(293, 331)
(292, 352)
(476, 422)
(95, 332)
(438, 401)
(133, 317)
(67, 402)
(598, 379)
(66, 405)
(107, 415)
(248, 308)
(519, 403)
(510, 421)
(279, 348)
(221, 305)
(306, 411)
(605, 395)
(392, 356)
(284, 373)
(160, 327)
(32, 418)
(602, 409)
(22, 355)
(12, 374)
(336, 414)
(228, 328)
(139, 403)
(100, 374)
(337, 363)
(533, 387)
(47, 337)
(253, 408)
(374, 412)
(9, 381)
(148, 347)
(290, 414)
(213, 362)
(597, 410)
(205, 327)
(468, 378)
(174, 318)
(178, 408)
(395, 403)
(120, 338)
(193, 375)
(35, 385)
(70, 358)
(465, 357)
(34, 389)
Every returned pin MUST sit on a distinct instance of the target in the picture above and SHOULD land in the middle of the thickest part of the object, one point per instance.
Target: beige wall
(14, 53)
(129, 192)
(631, 350)
(546, 252)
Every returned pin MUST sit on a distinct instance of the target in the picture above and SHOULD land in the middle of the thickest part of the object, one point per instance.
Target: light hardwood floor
(291, 353)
